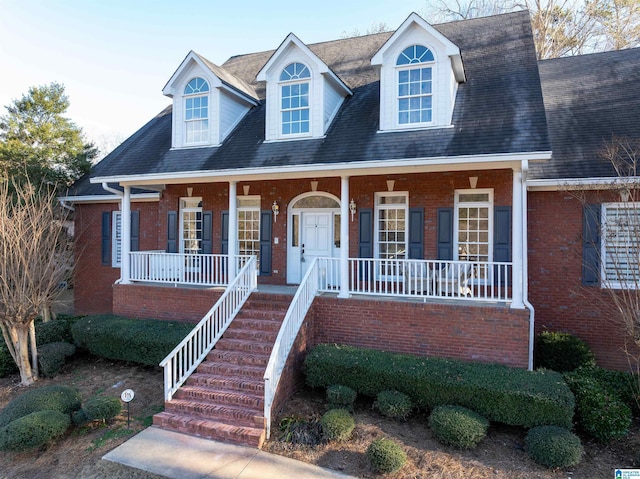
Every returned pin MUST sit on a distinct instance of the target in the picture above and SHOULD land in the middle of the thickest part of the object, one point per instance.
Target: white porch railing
(181, 268)
(187, 355)
(465, 280)
(291, 324)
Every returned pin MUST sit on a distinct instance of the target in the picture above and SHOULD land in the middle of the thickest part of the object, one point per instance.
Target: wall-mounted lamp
(625, 193)
(352, 208)
(276, 209)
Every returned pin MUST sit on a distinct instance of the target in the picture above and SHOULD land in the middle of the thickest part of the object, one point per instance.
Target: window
(249, 226)
(116, 239)
(196, 111)
(415, 85)
(391, 225)
(294, 99)
(191, 225)
(620, 245)
(474, 224)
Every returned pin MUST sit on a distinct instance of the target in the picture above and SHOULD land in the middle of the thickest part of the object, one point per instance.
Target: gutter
(525, 264)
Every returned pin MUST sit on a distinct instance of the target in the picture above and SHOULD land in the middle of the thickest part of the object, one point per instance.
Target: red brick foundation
(163, 302)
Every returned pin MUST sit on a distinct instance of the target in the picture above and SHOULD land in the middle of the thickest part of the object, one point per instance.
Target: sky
(114, 56)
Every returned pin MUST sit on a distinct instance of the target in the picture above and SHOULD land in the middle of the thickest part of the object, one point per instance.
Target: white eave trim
(595, 183)
(363, 168)
(138, 198)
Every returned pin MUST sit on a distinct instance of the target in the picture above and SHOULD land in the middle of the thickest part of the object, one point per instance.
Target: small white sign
(127, 395)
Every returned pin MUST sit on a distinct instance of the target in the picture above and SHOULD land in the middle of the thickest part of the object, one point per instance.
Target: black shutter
(224, 234)
(365, 233)
(207, 232)
(502, 240)
(416, 233)
(591, 224)
(106, 238)
(365, 239)
(445, 233)
(502, 234)
(172, 232)
(265, 242)
(135, 231)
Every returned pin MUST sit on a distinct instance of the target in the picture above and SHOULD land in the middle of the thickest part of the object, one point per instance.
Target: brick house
(410, 184)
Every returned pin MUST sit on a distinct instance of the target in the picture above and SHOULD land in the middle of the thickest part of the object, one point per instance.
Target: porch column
(516, 242)
(125, 247)
(344, 238)
(233, 229)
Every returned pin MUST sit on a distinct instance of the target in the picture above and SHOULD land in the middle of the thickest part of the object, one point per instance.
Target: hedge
(100, 408)
(562, 352)
(55, 398)
(508, 395)
(33, 430)
(142, 341)
(52, 356)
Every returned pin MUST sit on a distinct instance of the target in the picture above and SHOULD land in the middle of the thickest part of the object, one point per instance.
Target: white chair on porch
(455, 279)
(417, 277)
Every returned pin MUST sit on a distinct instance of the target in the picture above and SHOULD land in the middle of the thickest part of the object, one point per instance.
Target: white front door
(315, 239)
(312, 236)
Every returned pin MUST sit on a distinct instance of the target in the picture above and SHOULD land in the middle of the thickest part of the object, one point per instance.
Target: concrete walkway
(179, 456)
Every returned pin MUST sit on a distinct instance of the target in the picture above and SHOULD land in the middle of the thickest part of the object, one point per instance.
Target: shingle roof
(589, 100)
(498, 110)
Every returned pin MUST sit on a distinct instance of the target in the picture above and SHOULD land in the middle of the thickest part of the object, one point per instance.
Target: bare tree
(560, 27)
(35, 259)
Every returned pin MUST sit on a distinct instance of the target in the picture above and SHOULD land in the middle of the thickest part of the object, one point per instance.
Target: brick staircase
(224, 398)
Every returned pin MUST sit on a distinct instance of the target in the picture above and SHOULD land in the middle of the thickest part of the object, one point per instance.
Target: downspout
(525, 263)
(106, 187)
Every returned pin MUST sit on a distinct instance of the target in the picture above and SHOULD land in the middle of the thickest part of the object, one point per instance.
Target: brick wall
(490, 334)
(163, 302)
(560, 300)
(93, 281)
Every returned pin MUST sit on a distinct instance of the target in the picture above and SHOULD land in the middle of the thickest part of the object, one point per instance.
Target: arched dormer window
(415, 85)
(294, 99)
(196, 111)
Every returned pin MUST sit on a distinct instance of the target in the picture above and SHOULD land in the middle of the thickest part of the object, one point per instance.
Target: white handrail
(181, 268)
(187, 356)
(291, 324)
(464, 280)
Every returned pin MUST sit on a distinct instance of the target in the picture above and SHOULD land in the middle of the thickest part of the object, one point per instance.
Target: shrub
(7, 364)
(385, 455)
(341, 397)
(33, 430)
(599, 411)
(63, 399)
(622, 384)
(56, 331)
(337, 425)
(101, 408)
(298, 430)
(394, 404)
(458, 426)
(562, 352)
(553, 446)
(141, 341)
(508, 395)
(51, 357)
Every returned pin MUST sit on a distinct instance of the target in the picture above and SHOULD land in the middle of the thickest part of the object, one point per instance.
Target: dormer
(208, 102)
(420, 70)
(303, 95)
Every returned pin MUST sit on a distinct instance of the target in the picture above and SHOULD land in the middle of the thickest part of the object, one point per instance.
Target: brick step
(206, 396)
(282, 303)
(224, 368)
(227, 382)
(240, 415)
(239, 357)
(219, 431)
(229, 344)
(251, 335)
(269, 314)
(255, 324)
